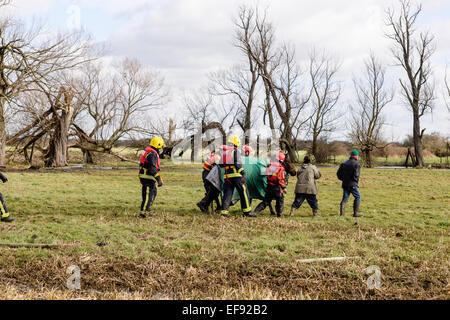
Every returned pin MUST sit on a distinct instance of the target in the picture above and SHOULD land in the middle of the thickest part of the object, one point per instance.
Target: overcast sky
(186, 39)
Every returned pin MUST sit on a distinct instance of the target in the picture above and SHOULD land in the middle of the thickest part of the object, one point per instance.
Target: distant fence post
(257, 145)
(448, 147)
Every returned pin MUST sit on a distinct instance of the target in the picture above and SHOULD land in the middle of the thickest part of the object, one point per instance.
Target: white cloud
(188, 38)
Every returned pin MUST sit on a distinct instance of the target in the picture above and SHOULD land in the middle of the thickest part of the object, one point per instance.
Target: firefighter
(149, 175)
(3, 209)
(247, 152)
(276, 186)
(234, 178)
(211, 193)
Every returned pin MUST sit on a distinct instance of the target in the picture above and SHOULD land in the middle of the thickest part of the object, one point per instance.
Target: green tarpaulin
(255, 174)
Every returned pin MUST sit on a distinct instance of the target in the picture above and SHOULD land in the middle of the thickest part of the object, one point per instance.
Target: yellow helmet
(157, 142)
(235, 140)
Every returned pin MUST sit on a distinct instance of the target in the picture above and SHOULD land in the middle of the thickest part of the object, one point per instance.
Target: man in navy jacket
(348, 173)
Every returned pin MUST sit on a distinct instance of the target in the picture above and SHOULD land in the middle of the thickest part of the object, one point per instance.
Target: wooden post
(448, 147)
(192, 149)
(257, 145)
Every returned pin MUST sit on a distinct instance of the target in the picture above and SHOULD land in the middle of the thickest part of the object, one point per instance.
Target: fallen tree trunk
(324, 259)
(35, 245)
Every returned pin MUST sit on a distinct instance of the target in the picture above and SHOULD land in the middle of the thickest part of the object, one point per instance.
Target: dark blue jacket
(348, 173)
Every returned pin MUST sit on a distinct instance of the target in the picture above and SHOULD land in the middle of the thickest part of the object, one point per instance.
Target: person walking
(276, 187)
(149, 175)
(4, 214)
(306, 187)
(349, 173)
(211, 193)
(234, 178)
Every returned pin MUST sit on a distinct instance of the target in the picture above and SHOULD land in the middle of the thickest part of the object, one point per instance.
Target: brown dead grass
(229, 279)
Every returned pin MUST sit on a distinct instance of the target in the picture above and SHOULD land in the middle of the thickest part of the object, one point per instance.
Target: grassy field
(181, 253)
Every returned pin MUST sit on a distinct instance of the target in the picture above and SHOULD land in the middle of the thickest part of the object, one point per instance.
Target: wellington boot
(356, 209)
(315, 213)
(343, 205)
(8, 219)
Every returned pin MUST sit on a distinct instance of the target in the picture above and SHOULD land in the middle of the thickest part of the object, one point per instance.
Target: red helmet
(213, 157)
(248, 149)
(281, 156)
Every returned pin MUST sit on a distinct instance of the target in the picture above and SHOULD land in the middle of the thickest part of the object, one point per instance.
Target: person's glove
(5, 179)
(243, 180)
(160, 183)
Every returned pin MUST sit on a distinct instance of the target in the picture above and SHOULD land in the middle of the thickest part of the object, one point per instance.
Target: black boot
(258, 209)
(343, 204)
(202, 206)
(224, 214)
(315, 213)
(145, 214)
(218, 206)
(8, 219)
(292, 211)
(272, 212)
(356, 209)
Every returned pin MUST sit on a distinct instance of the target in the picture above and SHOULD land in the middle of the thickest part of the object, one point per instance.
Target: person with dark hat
(306, 187)
(348, 173)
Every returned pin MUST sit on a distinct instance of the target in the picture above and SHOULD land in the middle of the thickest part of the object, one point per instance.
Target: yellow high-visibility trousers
(3, 209)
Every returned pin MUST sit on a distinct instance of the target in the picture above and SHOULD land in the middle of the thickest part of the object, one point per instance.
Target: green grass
(381, 161)
(182, 253)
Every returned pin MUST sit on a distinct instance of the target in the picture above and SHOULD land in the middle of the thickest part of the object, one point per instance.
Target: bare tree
(413, 54)
(166, 128)
(204, 108)
(199, 109)
(281, 77)
(240, 84)
(4, 3)
(447, 94)
(96, 106)
(114, 106)
(371, 98)
(47, 109)
(287, 97)
(27, 58)
(280, 74)
(62, 108)
(326, 92)
(242, 80)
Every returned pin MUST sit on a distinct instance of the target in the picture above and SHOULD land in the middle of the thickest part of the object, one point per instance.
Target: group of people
(277, 174)
(234, 178)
